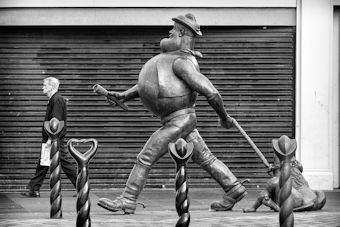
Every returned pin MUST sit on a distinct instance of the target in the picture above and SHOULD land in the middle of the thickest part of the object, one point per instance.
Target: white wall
(335, 94)
(147, 12)
(314, 92)
(148, 3)
(51, 16)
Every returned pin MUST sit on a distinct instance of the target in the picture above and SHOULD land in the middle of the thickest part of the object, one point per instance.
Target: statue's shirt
(160, 90)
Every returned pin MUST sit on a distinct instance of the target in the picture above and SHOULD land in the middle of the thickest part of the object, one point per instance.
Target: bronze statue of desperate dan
(168, 85)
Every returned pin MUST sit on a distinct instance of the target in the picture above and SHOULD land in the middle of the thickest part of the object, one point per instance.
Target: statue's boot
(127, 201)
(231, 196)
(234, 190)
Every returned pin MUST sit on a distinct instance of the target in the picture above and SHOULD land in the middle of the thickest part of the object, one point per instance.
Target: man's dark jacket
(57, 108)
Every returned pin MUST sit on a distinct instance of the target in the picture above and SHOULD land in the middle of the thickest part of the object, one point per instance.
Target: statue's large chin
(168, 45)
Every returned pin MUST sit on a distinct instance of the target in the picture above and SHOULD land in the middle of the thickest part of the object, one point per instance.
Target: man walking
(57, 108)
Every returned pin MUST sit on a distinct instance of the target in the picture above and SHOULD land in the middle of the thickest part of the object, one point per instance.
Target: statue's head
(182, 34)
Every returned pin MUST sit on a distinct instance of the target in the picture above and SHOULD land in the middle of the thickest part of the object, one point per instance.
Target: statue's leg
(151, 152)
(311, 200)
(154, 149)
(234, 190)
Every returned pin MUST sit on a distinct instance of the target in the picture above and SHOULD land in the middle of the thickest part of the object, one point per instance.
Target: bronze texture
(111, 99)
(304, 198)
(83, 185)
(53, 128)
(180, 153)
(285, 150)
(168, 85)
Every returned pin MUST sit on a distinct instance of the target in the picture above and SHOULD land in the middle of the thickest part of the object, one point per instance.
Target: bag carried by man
(45, 153)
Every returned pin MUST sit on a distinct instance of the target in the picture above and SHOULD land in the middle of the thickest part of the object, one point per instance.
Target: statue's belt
(176, 114)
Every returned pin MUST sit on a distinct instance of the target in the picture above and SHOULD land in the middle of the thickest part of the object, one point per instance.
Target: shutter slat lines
(252, 67)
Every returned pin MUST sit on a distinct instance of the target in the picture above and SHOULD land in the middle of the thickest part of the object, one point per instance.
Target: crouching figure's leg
(320, 200)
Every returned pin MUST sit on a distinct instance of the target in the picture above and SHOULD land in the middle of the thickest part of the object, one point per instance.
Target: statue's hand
(227, 123)
(117, 95)
(270, 169)
(112, 95)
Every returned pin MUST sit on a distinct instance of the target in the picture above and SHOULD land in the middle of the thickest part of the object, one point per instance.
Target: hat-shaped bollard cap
(53, 127)
(54, 124)
(284, 145)
(181, 147)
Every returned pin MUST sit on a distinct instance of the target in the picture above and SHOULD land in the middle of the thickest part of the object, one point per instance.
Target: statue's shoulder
(187, 56)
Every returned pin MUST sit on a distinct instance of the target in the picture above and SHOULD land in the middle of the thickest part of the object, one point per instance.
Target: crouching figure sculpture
(305, 199)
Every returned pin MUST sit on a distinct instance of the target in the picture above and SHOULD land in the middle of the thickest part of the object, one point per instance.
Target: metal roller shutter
(252, 67)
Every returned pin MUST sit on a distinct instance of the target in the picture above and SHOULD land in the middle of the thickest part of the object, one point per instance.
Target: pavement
(160, 211)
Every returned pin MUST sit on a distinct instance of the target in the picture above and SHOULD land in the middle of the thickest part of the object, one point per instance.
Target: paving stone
(16, 210)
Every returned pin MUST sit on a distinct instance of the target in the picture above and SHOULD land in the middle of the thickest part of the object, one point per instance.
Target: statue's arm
(131, 93)
(185, 69)
(127, 95)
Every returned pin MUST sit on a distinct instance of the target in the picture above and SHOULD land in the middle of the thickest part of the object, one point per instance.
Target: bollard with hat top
(285, 149)
(53, 128)
(181, 152)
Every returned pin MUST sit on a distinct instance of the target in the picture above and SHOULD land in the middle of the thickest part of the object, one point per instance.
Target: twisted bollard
(83, 188)
(285, 150)
(181, 152)
(53, 128)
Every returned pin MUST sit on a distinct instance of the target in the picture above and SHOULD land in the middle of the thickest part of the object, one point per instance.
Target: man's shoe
(31, 193)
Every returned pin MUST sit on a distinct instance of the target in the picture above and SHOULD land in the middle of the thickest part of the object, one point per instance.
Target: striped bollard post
(285, 150)
(181, 152)
(83, 186)
(53, 128)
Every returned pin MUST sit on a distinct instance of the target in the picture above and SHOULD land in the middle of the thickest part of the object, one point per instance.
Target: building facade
(275, 62)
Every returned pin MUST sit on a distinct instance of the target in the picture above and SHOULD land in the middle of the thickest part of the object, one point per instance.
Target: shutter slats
(253, 68)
